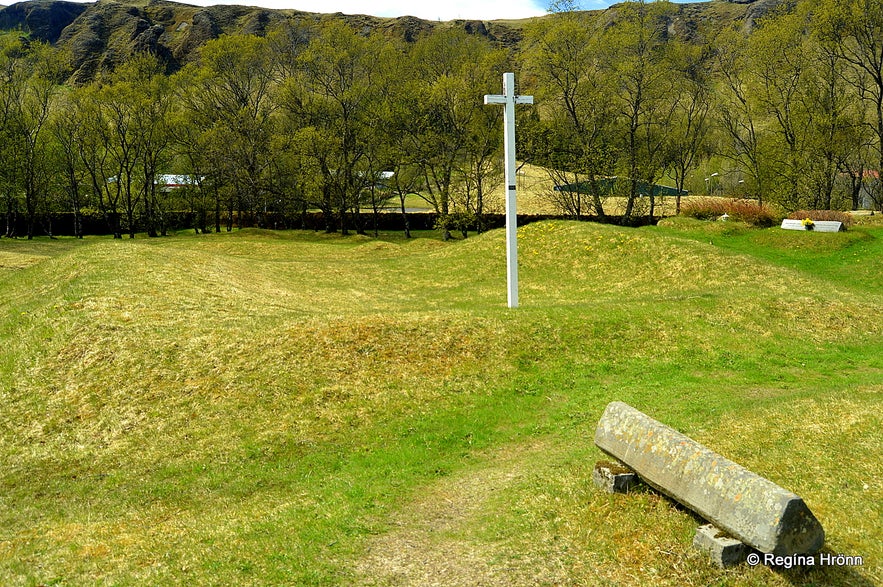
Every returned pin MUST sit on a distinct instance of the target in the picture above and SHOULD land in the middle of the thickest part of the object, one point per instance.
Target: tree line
(327, 118)
(789, 114)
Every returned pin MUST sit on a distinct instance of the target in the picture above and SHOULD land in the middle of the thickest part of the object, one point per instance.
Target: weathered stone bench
(743, 504)
(817, 226)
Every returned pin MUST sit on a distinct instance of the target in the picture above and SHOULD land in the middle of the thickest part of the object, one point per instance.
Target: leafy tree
(739, 115)
(229, 96)
(140, 100)
(397, 120)
(805, 108)
(691, 68)
(192, 148)
(450, 126)
(197, 152)
(780, 66)
(481, 170)
(69, 129)
(93, 144)
(636, 49)
(31, 73)
(13, 73)
(837, 134)
(573, 138)
(118, 102)
(854, 29)
(156, 137)
(334, 98)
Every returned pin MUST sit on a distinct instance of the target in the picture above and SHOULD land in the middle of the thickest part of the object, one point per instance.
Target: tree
(572, 139)
(780, 65)
(636, 50)
(451, 73)
(854, 28)
(137, 101)
(68, 129)
(118, 103)
(395, 117)
(687, 141)
(12, 78)
(31, 73)
(229, 95)
(807, 117)
(152, 116)
(333, 97)
(91, 150)
(193, 149)
(739, 116)
(837, 134)
(481, 170)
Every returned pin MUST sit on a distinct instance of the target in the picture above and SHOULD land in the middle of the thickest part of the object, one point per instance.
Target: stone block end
(724, 551)
(614, 477)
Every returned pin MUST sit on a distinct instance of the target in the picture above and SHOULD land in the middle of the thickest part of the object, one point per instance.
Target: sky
(426, 9)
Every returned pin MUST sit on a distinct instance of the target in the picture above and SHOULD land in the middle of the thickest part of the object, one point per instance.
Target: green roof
(607, 186)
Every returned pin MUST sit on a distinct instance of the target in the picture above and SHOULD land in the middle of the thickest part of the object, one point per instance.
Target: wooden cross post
(510, 99)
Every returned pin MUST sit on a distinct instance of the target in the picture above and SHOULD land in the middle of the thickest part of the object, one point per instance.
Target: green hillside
(261, 408)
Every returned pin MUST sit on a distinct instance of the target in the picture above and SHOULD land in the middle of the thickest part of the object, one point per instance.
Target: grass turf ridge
(149, 439)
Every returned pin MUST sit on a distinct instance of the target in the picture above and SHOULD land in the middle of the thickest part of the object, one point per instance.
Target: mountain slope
(102, 34)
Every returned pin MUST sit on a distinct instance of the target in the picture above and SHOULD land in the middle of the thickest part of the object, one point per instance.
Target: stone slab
(614, 477)
(818, 225)
(745, 505)
(724, 550)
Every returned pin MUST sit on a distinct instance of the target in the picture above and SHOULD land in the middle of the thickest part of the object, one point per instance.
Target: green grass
(303, 409)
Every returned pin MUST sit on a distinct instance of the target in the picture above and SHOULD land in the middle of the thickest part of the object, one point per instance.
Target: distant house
(167, 183)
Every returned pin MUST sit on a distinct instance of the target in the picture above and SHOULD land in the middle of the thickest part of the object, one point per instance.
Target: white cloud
(436, 10)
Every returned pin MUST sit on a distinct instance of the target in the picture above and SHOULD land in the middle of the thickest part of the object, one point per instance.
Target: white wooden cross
(510, 99)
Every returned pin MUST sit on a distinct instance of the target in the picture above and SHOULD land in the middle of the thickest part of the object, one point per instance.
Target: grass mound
(260, 408)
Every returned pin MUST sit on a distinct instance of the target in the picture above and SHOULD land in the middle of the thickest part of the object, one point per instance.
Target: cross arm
(498, 99)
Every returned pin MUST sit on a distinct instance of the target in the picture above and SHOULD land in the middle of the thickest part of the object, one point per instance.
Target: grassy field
(262, 408)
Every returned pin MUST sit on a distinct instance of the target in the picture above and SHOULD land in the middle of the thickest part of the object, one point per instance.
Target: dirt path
(433, 544)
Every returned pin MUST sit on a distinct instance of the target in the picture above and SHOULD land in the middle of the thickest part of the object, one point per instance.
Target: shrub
(461, 221)
(703, 209)
(739, 210)
(816, 215)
